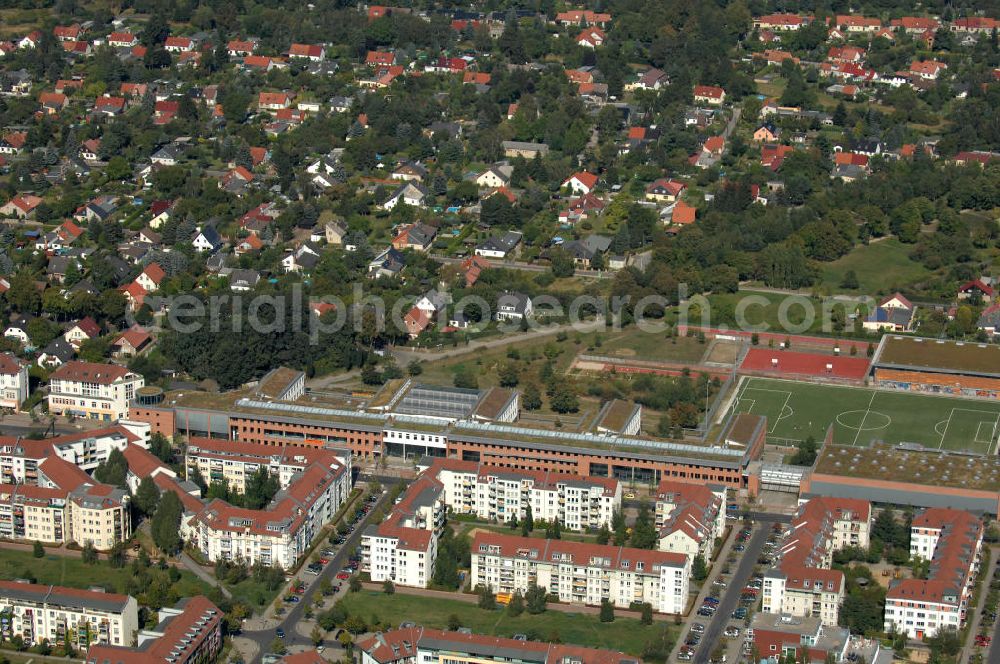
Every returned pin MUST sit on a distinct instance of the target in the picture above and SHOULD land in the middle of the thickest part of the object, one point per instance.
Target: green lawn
(724, 307)
(73, 573)
(633, 343)
(862, 416)
(625, 634)
(881, 267)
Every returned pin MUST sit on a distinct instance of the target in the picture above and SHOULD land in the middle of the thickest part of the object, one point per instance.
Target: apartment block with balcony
(582, 573)
(92, 390)
(952, 541)
(280, 533)
(188, 633)
(403, 547)
(99, 514)
(689, 517)
(801, 583)
(233, 462)
(37, 612)
(500, 494)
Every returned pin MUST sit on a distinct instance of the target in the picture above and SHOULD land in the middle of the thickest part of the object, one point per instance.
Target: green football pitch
(862, 416)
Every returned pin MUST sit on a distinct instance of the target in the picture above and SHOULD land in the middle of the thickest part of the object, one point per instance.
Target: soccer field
(862, 416)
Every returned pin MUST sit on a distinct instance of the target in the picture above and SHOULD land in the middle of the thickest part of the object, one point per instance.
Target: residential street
(259, 632)
(738, 580)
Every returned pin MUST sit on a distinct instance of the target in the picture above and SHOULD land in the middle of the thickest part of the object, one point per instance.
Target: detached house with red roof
(122, 40)
(709, 94)
(311, 52)
(151, 277)
(591, 38)
(380, 59)
(581, 183)
(109, 105)
(178, 44)
(22, 207)
(241, 48)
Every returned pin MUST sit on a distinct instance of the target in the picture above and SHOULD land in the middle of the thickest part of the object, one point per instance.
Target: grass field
(625, 634)
(862, 416)
(74, 573)
(881, 267)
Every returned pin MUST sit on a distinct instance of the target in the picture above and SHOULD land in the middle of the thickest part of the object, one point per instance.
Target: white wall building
(13, 382)
(500, 494)
(37, 612)
(582, 573)
(92, 390)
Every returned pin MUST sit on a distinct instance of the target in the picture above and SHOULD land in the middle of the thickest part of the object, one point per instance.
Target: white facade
(13, 383)
(496, 494)
(98, 392)
(39, 612)
(582, 573)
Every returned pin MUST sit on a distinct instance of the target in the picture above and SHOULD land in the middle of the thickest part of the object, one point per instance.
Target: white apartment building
(500, 494)
(689, 517)
(802, 583)
(37, 612)
(403, 548)
(13, 382)
(92, 390)
(233, 462)
(952, 541)
(99, 514)
(280, 533)
(582, 573)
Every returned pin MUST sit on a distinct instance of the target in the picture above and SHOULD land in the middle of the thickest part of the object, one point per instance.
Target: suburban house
(894, 314)
(499, 247)
(512, 305)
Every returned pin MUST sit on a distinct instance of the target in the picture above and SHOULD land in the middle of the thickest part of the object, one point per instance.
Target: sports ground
(862, 416)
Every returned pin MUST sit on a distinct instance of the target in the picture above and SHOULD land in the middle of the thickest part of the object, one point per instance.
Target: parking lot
(716, 628)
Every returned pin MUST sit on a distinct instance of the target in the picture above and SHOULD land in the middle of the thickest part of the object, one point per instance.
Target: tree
(388, 587)
(89, 554)
(528, 522)
(699, 570)
(644, 530)
(316, 635)
(806, 453)
(38, 551)
(607, 611)
(354, 585)
(509, 375)
(850, 281)
(647, 614)
(487, 599)
(261, 487)
(516, 605)
(278, 646)
(604, 534)
(535, 599)
(532, 397)
(116, 557)
(166, 522)
(564, 400)
(147, 497)
(114, 470)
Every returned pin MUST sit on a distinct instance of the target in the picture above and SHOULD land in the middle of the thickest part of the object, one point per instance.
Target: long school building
(372, 435)
(582, 573)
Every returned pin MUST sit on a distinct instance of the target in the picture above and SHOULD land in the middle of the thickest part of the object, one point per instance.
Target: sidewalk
(968, 648)
(191, 565)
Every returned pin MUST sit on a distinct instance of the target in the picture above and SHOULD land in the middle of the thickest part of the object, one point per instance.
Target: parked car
(280, 633)
(697, 627)
(343, 576)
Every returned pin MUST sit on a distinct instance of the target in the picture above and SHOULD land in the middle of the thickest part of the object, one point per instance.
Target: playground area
(860, 417)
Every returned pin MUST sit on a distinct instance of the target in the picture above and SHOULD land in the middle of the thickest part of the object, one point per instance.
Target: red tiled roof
(89, 372)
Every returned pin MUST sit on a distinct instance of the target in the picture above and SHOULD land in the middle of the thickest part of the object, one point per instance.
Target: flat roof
(940, 355)
(277, 381)
(933, 467)
(742, 429)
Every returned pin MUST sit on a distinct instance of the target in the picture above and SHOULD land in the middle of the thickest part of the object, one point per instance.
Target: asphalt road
(728, 602)
(993, 652)
(293, 615)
